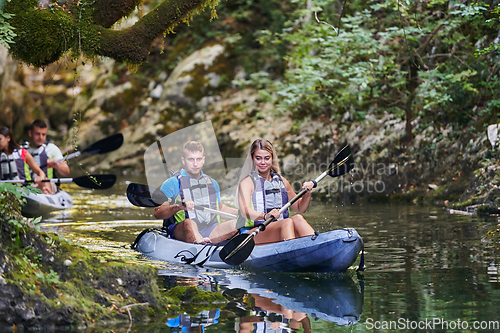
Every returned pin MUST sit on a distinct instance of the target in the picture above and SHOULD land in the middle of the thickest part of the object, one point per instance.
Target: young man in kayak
(193, 187)
(13, 158)
(46, 154)
(262, 191)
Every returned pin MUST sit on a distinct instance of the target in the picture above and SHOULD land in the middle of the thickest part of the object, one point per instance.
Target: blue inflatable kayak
(334, 251)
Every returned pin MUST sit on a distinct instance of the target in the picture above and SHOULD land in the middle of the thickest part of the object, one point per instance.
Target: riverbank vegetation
(48, 282)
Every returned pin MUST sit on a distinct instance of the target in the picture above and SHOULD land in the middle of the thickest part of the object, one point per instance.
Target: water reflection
(186, 323)
(271, 302)
(421, 263)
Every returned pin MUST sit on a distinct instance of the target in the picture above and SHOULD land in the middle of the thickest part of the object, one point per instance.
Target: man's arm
(222, 207)
(54, 154)
(61, 167)
(227, 209)
(170, 188)
(166, 210)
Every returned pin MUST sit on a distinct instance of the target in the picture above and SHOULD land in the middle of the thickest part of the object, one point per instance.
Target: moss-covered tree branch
(108, 12)
(45, 34)
(132, 44)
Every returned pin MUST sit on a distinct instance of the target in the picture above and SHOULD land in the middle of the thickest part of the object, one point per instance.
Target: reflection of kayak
(41, 204)
(202, 319)
(334, 298)
(333, 251)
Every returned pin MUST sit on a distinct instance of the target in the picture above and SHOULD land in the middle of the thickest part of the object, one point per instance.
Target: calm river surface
(426, 270)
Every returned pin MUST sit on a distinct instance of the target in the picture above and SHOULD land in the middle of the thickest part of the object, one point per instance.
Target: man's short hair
(38, 123)
(192, 146)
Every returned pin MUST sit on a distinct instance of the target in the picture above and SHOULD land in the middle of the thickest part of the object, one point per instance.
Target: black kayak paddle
(103, 146)
(98, 182)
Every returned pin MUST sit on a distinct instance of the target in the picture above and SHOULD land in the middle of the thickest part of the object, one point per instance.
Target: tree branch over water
(46, 31)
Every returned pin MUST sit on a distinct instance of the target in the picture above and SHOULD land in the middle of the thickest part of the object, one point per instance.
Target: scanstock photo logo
(163, 159)
(372, 175)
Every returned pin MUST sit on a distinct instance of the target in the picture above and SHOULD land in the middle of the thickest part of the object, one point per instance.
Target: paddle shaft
(53, 180)
(70, 156)
(285, 207)
(209, 210)
(91, 181)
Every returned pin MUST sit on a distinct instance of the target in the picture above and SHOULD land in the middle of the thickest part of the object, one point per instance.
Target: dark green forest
(432, 62)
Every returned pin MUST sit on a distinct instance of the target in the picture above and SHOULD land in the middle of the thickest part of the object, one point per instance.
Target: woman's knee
(298, 219)
(287, 223)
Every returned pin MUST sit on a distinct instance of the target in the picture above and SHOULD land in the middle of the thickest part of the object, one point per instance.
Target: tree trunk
(412, 86)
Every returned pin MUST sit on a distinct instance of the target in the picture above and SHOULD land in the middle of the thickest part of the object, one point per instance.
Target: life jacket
(40, 157)
(202, 192)
(13, 165)
(267, 195)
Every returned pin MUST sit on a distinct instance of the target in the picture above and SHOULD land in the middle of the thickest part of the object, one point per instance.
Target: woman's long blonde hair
(248, 166)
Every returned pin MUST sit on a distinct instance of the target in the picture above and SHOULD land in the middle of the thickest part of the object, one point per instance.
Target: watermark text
(430, 324)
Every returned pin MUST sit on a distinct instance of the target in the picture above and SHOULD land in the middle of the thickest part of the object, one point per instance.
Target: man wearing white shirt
(46, 154)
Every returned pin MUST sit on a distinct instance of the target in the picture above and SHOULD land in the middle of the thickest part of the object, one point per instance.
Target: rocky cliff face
(97, 99)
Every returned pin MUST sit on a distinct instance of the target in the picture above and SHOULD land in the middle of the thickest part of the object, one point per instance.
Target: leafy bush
(7, 33)
(11, 201)
(436, 60)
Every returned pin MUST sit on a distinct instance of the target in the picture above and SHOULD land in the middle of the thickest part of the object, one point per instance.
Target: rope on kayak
(183, 255)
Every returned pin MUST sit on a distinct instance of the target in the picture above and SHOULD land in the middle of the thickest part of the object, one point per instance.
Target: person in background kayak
(13, 159)
(46, 154)
(262, 191)
(193, 187)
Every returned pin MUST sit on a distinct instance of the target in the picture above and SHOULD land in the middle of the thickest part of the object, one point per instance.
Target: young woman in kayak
(13, 158)
(262, 191)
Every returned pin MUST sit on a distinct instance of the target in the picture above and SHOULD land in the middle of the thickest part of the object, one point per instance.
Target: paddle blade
(145, 196)
(342, 163)
(105, 145)
(242, 254)
(98, 182)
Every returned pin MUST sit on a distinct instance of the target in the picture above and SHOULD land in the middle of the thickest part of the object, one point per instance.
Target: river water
(426, 270)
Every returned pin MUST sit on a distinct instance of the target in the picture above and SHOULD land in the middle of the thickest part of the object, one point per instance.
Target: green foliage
(242, 26)
(11, 199)
(430, 59)
(7, 33)
(43, 35)
(50, 278)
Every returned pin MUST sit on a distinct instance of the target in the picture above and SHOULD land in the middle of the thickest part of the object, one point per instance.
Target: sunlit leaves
(7, 33)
